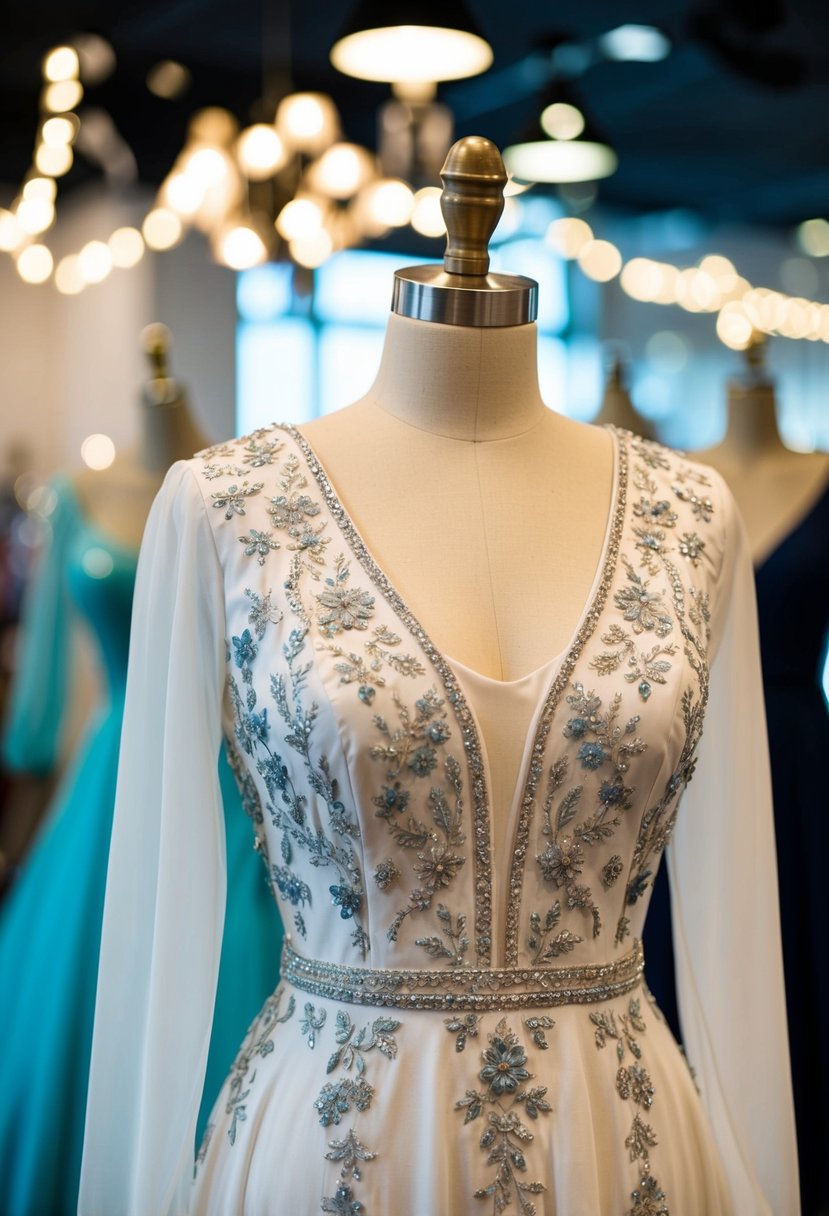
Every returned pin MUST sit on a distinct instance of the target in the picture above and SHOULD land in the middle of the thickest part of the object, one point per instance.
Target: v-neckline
(561, 668)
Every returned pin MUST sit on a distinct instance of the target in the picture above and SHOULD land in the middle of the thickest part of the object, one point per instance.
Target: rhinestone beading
(465, 988)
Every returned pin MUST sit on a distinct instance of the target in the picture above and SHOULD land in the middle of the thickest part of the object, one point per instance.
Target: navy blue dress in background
(793, 610)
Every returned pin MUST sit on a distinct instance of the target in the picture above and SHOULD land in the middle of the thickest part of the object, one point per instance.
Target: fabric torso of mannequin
(486, 510)
(117, 500)
(774, 486)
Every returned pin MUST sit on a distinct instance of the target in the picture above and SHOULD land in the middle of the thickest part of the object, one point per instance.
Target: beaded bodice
(361, 762)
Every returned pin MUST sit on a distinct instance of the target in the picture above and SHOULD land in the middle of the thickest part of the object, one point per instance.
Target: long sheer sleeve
(36, 714)
(166, 882)
(725, 914)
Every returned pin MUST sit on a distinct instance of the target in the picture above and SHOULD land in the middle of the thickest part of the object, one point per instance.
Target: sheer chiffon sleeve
(36, 715)
(723, 873)
(166, 883)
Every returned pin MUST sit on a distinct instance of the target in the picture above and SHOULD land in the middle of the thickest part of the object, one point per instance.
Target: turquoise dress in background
(50, 922)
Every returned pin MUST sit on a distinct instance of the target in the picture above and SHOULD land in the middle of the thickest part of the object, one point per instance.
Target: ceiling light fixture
(641, 43)
(572, 152)
(402, 43)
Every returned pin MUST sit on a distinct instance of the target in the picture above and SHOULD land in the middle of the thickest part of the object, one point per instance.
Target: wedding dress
(462, 1024)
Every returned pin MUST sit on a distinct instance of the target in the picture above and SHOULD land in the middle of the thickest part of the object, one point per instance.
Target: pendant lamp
(403, 43)
(563, 145)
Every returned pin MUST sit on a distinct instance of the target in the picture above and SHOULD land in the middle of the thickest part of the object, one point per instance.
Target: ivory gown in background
(420, 1057)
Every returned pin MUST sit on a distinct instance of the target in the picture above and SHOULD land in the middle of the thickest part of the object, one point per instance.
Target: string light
(34, 264)
(127, 247)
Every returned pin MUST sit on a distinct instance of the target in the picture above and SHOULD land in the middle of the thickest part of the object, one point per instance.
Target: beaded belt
(465, 988)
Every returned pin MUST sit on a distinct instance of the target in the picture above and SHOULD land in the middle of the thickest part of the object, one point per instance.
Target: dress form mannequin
(617, 408)
(453, 441)
(118, 499)
(774, 486)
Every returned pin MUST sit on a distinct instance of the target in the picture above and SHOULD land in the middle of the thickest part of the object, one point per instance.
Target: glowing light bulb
(240, 247)
(813, 237)
(162, 229)
(183, 194)
(55, 161)
(641, 279)
(733, 326)
(260, 151)
(11, 234)
(307, 121)
(69, 278)
(341, 171)
(600, 261)
(207, 167)
(299, 219)
(61, 64)
(34, 264)
(97, 451)
(389, 202)
(40, 187)
(62, 96)
(568, 236)
(35, 215)
(427, 217)
(58, 131)
(127, 247)
(95, 261)
(562, 121)
(312, 250)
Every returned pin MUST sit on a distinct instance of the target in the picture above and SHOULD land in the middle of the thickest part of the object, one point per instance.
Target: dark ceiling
(733, 124)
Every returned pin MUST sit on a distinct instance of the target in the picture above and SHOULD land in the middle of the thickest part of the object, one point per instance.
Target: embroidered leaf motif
(349, 1152)
(567, 807)
(505, 1135)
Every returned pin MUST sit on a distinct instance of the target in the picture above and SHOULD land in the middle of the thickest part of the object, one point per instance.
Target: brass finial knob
(473, 179)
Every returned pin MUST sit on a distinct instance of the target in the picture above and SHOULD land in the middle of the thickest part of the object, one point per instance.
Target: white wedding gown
(462, 1025)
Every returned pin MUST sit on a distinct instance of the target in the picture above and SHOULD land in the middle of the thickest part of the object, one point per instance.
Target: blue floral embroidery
(506, 1136)
(347, 899)
(592, 756)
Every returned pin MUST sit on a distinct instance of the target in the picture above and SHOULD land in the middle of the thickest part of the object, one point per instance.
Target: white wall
(71, 365)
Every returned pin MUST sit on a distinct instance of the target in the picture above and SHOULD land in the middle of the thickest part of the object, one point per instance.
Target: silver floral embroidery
(385, 873)
(310, 1023)
(232, 500)
(343, 607)
(606, 746)
(463, 1027)
(503, 1095)
(337, 1099)
(703, 508)
(655, 512)
(644, 609)
(633, 1084)
(646, 667)
(691, 546)
(258, 1044)
(259, 544)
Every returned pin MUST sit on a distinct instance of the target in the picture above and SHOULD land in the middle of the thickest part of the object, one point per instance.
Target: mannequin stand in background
(617, 409)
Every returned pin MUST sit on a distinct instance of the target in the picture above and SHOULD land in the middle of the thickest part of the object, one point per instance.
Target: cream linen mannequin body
(487, 510)
(774, 486)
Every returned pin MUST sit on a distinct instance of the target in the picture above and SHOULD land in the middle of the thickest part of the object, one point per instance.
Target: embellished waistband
(465, 988)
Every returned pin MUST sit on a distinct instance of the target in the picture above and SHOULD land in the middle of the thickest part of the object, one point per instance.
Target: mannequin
(784, 497)
(774, 486)
(617, 408)
(342, 645)
(117, 499)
